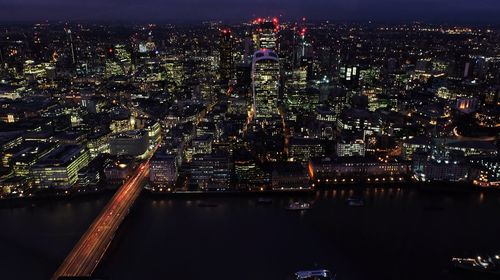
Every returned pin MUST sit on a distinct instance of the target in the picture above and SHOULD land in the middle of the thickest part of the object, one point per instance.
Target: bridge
(88, 252)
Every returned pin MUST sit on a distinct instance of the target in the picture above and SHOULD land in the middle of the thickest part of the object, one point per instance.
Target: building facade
(265, 84)
(59, 168)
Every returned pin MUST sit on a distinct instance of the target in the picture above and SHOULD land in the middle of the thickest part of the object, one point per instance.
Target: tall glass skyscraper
(265, 84)
(226, 56)
(266, 33)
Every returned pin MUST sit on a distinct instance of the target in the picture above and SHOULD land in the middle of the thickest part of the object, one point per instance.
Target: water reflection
(263, 241)
(481, 198)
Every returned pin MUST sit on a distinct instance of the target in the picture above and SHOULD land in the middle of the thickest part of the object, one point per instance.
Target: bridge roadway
(87, 253)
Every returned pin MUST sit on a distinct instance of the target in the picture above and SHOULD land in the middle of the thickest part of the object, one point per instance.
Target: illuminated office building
(226, 63)
(296, 89)
(303, 149)
(266, 33)
(175, 74)
(349, 75)
(351, 147)
(71, 45)
(163, 171)
(153, 129)
(118, 61)
(211, 172)
(98, 143)
(40, 72)
(265, 80)
(59, 168)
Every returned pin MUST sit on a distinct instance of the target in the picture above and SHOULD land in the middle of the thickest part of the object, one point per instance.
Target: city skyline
(462, 11)
(260, 142)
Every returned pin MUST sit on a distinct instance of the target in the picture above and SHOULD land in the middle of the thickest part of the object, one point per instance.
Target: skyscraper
(118, 61)
(71, 46)
(265, 83)
(266, 33)
(226, 64)
(296, 89)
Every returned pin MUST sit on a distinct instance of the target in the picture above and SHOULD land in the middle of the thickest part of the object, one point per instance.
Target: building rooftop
(162, 156)
(482, 145)
(60, 156)
(131, 134)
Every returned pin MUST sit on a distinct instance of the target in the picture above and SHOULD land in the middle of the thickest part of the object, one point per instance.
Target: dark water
(405, 234)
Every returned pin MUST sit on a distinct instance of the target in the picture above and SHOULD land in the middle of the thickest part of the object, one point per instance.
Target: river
(399, 234)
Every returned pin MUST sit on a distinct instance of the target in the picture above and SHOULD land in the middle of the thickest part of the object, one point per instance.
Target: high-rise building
(175, 74)
(226, 63)
(302, 49)
(266, 33)
(265, 81)
(71, 45)
(118, 61)
(244, 81)
(296, 89)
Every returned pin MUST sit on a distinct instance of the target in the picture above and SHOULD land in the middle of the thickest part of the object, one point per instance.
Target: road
(87, 253)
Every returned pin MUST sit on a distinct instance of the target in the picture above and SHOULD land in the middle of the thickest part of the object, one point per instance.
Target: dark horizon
(196, 22)
(437, 11)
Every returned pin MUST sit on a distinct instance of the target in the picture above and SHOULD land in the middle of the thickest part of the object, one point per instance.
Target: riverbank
(61, 195)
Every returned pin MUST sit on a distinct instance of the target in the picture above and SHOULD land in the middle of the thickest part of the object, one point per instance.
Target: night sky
(188, 10)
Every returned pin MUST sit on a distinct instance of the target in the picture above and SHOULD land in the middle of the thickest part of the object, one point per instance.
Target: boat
(207, 204)
(319, 274)
(264, 200)
(298, 206)
(355, 202)
(486, 264)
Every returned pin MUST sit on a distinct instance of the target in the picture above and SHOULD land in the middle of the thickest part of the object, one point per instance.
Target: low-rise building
(202, 144)
(131, 143)
(163, 171)
(350, 170)
(351, 145)
(117, 171)
(415, 143)
(153, 129)
(474, 148)
(289, 175)
(92, 175)
(59, 168)
(303, 149)
(248, 173)
(98, 143)
(211, 172)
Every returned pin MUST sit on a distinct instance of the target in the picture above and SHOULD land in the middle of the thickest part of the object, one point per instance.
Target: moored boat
(299, 206)
(484, 264)
(318, 274)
